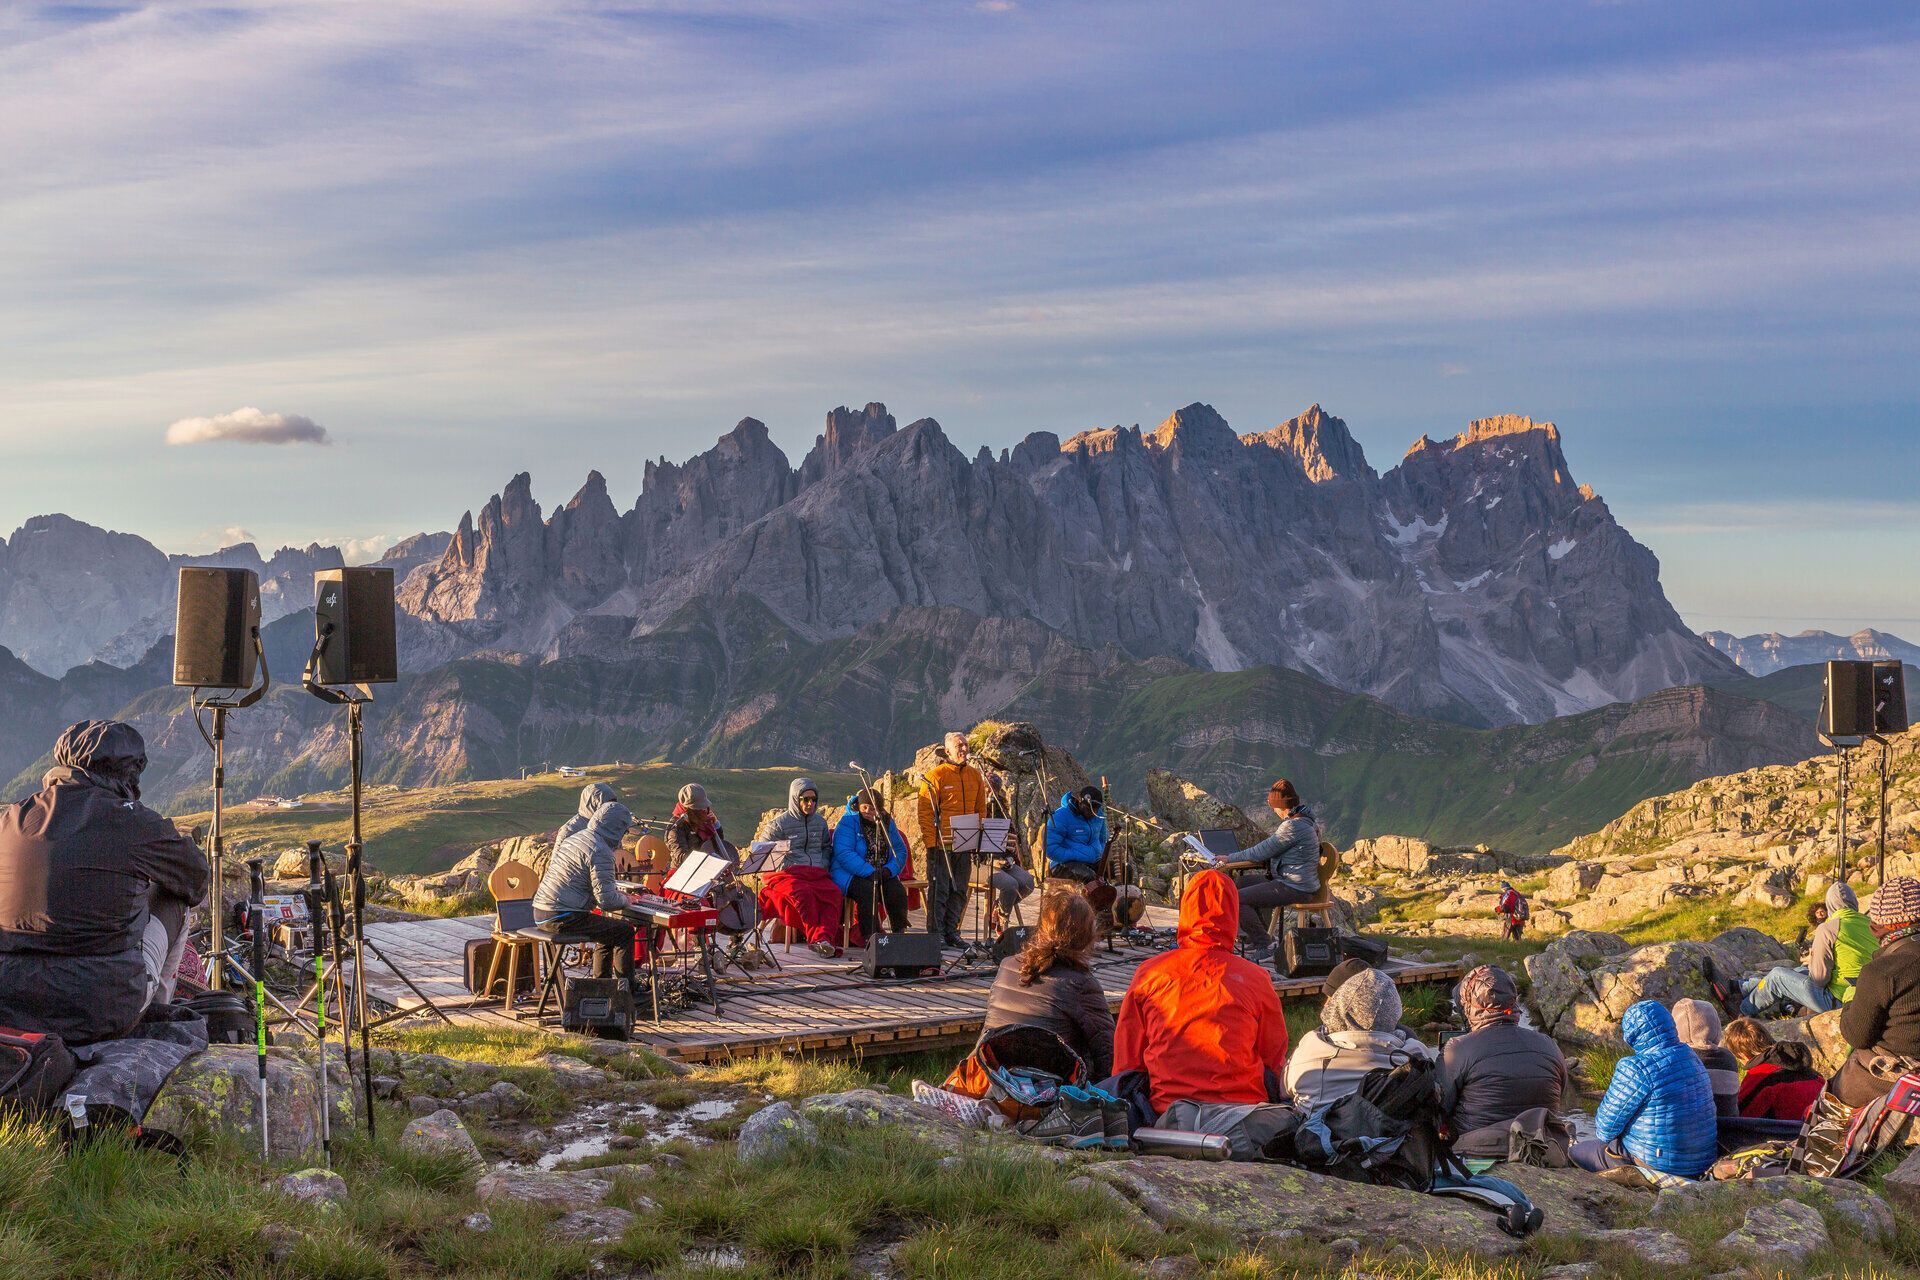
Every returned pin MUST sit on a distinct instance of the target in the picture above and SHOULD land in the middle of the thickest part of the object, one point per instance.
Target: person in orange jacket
(1204, 1026)
(954, 787)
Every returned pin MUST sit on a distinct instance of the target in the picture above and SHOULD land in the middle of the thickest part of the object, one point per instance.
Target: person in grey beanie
(1359, 1030)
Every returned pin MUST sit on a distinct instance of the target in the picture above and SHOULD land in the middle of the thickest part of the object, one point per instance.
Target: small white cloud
(364, 550)
(1451, 370)
(996, 6)
(233, 535)
(248, 425)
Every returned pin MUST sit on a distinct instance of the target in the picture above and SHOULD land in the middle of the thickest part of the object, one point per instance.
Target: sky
(321, 271)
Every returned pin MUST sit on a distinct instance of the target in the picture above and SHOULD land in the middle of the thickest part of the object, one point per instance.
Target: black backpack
(1387, 1132)
(34, 1067)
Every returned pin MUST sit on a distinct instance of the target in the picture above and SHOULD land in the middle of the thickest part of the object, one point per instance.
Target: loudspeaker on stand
(213, 627)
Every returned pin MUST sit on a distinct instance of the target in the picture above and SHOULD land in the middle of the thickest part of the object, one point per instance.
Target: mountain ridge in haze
(1770, 651)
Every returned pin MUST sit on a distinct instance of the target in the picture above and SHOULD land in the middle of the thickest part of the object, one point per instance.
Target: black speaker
(1011, 941)
(900, 955)
(353, 611)
(1309, 950)
(213, 628)
(601, 1006)
(1849, 709)
(1889, 697)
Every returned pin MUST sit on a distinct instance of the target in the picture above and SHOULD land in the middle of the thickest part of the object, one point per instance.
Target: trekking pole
(316, 911)
(337, 916)
(257, 922)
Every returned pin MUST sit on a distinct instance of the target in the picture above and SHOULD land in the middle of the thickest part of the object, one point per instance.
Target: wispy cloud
(247, 425)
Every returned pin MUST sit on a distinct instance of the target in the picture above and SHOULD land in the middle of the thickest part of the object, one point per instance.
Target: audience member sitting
(592, 796)
(1292, 873)
(1359, 1030)
(1049, 984)
(1698, 1025)
(1842, 944)
(1498, 1070)
(580, 877)
(695, 828)
(1780, 1082)
(799, 889)
(1076, 836)
(1657, 1115)
(1204, 1027)
(94, 892)
(869, 853)
(1882, 1021)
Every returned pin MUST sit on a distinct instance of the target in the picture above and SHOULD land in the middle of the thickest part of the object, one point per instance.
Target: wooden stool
(1321, 908)
(515, 935)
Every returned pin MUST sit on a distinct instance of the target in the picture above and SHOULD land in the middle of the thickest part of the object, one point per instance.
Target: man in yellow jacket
(954, 787)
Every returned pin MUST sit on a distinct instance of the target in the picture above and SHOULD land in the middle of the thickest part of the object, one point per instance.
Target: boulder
(1756, 951)
(871, 1106)
(1185, 807)
(1903, 1185)
(1581, 999)
(557, 1189)
(1662, 1248)
(1770, 889)
(503, 1100)
(292, 865)
(601, 1225)
(772, 1131)
(313, 1186)
(1866, 1213)
(1570, 881)
(217, 1093)
(1785, 1231)
(467, 878)
(441, 1131)
(1821, 1033)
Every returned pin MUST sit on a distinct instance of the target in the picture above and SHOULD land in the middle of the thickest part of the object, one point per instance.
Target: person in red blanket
(1780, 1082)
(1204, 1026)
(798, 889)
(1512, 911)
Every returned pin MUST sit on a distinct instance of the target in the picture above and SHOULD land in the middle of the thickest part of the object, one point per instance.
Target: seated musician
(592, 796)
(869, 854)
(1291, 873)
(1076, 836)
(799, 889)
(579, 878)
(695, 827)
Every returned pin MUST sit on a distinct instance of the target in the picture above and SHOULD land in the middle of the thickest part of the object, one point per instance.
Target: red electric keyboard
(663, 914)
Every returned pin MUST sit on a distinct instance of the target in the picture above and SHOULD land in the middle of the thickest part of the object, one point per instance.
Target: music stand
(981, 836)
(695, 876)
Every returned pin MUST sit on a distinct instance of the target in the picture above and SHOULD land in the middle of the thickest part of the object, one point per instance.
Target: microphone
(856, 766)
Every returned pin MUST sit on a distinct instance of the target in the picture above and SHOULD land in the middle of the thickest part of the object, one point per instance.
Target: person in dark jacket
(696, 828)
(869, 853)
(1657, 1114)
(1292, 873)
(1499, 1069)
(579, 878)
(1882, 1021)
(1076, 836)
(1698, 1024)
(799, 889)
(1049, 984)
(95, 888)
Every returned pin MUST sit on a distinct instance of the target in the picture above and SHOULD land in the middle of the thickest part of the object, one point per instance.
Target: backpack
(1020, 1071)
(34, 1067)
(1387, 1132)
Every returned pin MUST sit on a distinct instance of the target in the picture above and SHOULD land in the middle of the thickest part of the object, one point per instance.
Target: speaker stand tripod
(217, 740)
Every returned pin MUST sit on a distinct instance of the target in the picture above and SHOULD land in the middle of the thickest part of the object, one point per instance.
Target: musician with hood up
(578, 899)
(799, 888)
(592, 796)
(94, 892)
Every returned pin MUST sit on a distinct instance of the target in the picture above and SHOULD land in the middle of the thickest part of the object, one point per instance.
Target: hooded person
(1882, 1021)
(695, 827)
(869, 857)
(799, 889)
(1076, 835)
(1203, 1025)
(95, 888)
(1839, 949)
(579, 880)
(1698, 1025)
(592, 796)
(1499, 1070)
(1359, 1030)
(1657, 1114)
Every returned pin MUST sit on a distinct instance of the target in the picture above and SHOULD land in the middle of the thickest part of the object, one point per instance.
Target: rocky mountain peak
(1504, 424)
(847, 434)
(1321, 443)
(1195, 428)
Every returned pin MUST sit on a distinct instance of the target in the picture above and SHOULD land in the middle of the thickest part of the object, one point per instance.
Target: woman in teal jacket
(868, 855)
(1076, 836)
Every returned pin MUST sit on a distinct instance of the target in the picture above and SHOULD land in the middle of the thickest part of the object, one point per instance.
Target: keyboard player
(580, 878)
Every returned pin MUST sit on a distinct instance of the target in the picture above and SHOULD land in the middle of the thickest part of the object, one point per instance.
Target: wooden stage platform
(811, 1005)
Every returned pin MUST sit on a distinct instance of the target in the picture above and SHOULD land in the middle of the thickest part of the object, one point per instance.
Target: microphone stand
(216, 973)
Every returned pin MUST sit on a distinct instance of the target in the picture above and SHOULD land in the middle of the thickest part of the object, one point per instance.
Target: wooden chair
(515, 935)
(1321, 908)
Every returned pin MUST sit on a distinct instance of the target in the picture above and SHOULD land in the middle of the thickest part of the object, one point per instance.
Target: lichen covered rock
(216, 1093)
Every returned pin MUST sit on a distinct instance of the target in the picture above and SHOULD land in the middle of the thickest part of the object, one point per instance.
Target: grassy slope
(428, 829)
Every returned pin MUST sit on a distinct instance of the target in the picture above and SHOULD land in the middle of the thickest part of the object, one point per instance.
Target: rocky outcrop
(1185, 807)
(216, 1094)
(1582, 984)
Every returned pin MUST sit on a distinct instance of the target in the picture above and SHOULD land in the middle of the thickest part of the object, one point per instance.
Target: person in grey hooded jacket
(579, 878)
(592, 796)
(799, 889)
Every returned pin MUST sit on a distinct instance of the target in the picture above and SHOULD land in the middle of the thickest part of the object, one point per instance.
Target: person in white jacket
(1359, 1030)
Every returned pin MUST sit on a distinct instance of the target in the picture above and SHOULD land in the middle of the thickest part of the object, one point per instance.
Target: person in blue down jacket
(868, 855)
(1076, 836)
(1658, 1112)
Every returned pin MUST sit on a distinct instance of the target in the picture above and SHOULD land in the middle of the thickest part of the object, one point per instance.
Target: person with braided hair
(1050, 984)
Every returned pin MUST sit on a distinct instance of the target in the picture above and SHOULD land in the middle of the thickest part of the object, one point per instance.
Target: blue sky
(469, 238)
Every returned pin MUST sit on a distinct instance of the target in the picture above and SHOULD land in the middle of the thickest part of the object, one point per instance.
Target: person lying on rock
(799, 888)
(1202, 1027)
(1359, 1030)
(1051, 984)
(1882, 1021)
(1076, 836)
(695, 827)
(1657, 1115)
(869, 856)
(1840, 948)
(580, 877)
(1499, 1070)
(1698, 1024)
(1291, 874)
(95, 888)
(1779, 1082)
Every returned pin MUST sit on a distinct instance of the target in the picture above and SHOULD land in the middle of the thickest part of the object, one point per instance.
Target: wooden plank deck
(812, 1005)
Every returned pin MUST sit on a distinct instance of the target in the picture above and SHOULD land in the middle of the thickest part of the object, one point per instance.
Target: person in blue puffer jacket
(1076, 836)
(1658, 1113)
(868, 855)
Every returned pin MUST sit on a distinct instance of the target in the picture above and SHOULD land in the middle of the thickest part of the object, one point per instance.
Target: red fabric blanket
(805, 899)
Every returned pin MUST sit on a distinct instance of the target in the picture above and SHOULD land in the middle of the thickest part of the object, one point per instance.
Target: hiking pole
(257, 923)
(337, 916)
(316, 911)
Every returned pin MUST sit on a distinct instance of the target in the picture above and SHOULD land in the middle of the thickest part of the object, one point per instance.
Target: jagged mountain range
(1771, 651)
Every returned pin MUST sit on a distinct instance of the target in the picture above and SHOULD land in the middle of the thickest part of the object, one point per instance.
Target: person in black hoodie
(1882, 1021)
(94, 892)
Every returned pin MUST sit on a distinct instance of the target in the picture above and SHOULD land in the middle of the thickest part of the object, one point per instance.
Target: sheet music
(696, 875)
(995, 835)
(1193, 842)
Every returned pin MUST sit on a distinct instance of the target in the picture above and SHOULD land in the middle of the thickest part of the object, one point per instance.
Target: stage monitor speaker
(1889, 697)
(1849, 699)
(1011, 941)
(900, 955)
(1308, 951)
(358, 605)
(213, 628)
